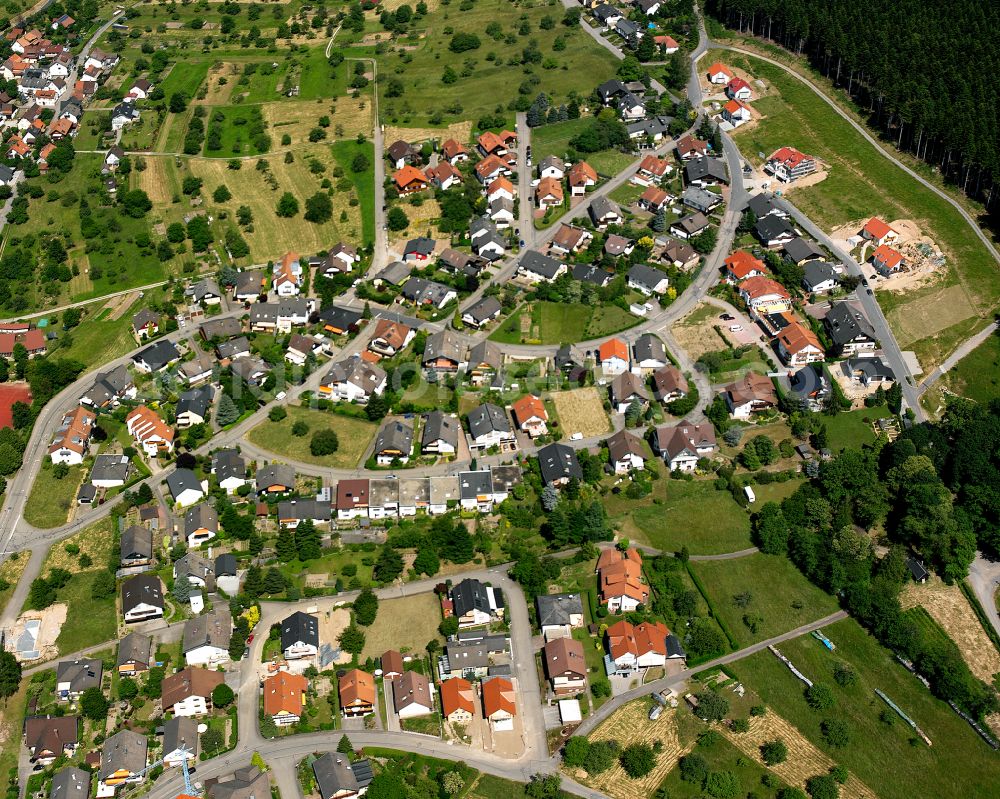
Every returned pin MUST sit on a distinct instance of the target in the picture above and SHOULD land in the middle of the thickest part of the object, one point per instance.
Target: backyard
(557, 323)
(52, 497)
(353, 435)
(958, 763)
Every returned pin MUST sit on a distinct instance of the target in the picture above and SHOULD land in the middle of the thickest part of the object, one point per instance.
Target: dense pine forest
(923, 69)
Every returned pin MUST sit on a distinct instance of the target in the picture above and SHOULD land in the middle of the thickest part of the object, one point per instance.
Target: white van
(576, 437)
(751, 496)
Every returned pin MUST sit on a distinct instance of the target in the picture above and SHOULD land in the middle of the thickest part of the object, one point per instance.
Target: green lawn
(976, 375)
(97, 341)
(850, 430)
(775, 492)
(691, 514)
(882, 756)
(609, 162)
(332, 564)
(51, 499)
(862, 183)
(780, 596)
(364, 182)
(236, 138)
(89, 621)
(10, 572)
(554, 139)
(490, 81)
(353, 434)
(184, 77)
(558, 323)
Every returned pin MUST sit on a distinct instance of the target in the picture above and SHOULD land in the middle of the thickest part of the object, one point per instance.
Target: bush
(819, 696)
(835, 732)
(694, 768)
(277, 413)
(711, 706)
(638, 760)
(601, 756)
(723, 785)
(774, 752)
(324, 442)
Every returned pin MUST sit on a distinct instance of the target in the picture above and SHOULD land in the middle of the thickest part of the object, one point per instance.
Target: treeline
(922, 69)
(936, 492)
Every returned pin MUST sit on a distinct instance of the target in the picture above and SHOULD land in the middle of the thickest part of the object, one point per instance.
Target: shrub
(324, 442)
(638, 760)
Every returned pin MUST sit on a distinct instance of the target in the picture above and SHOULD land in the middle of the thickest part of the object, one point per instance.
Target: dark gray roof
(280, 474)
(438, 426)
(181, 480)
(700, 199)
(226, 565)
(230, 349)
(111, 467)
(81, 674)
(158, 355)
(674, 648)
(123, 751)
(558, 461)
(340, 318)
(228, 463)
(248, 782)
(135, 648)
(178, 732)
(650, 126)
(845, 324)
(416, 289)
(221, 328)
(799, 249)
(302, 509)
(336, 773)
(137, 542)
(772, 228)
(539, 264)
(762, 206)
(556, 609)
(210, 629)
(649, 347)
(395, 273)
(196, 401)
(469, 595)
(817, 272)
(249, 282)
(201, 515)
(444, 344)
(873, 369)
(588, 273)
(421, 245)
(705, 169)
(601, 207)
(917, 569)
(486, 352)
(646, 276)
(474, 484)
(70, 783)
(395, 436)
(485, 309)
(194, 564)
(299, 628)
(142, 589)
(487, 418)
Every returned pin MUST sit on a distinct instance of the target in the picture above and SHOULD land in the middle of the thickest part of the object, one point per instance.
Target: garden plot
(298, 117)
(581, 411)
(630, 725)
(804, 759)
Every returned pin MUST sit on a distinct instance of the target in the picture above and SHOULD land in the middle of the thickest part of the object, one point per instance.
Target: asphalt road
(949, 363)
(984, 576)
(525, 208)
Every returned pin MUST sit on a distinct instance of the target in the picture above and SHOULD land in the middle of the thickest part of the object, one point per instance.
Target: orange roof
(613, 348)
(407, 176)
(581, 173)
(457, 694)
(46, 151)
(796, 337)
(451, 148)
(876, 228)
(741, 263)
(16, 143)
(718, 67)
(734, 105)
(489, 165)
(640, 639)
(668, 41)
(760, 286)
(370, 357)
(490, 141)
(788, 156)
(654, 196)
(74, 432)
(529, 407)
(498, 697)
(887, 256)
(285, 693)
(549, 187)
(653, 165)
(623, 578)
(442, 172)
(357, 688)
(393, 333)
(500, 183)
(145, 424)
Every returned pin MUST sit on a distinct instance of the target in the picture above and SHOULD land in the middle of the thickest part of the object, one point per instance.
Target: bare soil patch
(804, 759)
(696, 332)
(331, 625)
(581, 411)
(51, 621)
(930, 314)
(298, 117)
(219, 94)
(459, 131)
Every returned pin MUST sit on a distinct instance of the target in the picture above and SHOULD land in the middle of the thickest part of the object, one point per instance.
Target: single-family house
(788, 164)
(690, 226)
(353, 380)
(409, 180)
(764, 295)
(538, 268)
(180, 741)
(548, 193)
(489, 426)
(352, 499)
(206, 637)
(558, 464)
(156, 357)
(482, 313)
(455, 152)
(849, 330)
(275, 478)
(620, 583)
(689, 148)
(73, 677)
(72, 439)
(530, 415)
(887, 260)
(625, 452)
(736, 113)
(70, 783)
(551, 167)
(135, 654)
(634, 647)
(627, 388)
(720, 74)
(185, 487)
(393, 443)
(150, 431)
(705, 172)
(458, 700)
(412, 695)
(750, 394)
(188, 692)
(682, 445)
(879, 232)
(444, 352)
(613, 357)
(798, 345)
(201, 524)
(648, 352)
(357, 693)
(647, 280)
(800, 251)
(193, 406)
(110, 471)
(499, 703)
(50, 737)
(565, 665)
(742, 265)
(475, 603)
(739, 89)
(427, 292)
(819, 277)
(285, 697)
(142, 598)
(604, 212)
(123, 759)
(136, 547)
(581, 177)
(669, 384)
(559, 614)
(337, 777)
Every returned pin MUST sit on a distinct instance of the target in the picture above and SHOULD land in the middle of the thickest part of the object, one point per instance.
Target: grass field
(406, 624)
(354, 435)
(691, 514)
(977, 375)
(554, 139)
(364, 182)
(10, 572)
(50, 499)
(557, 323)
(89, 621)
(94, 541)
(490, 82)
(298, 117)
(958, 764)
(780, 597)
(850, 430)
(97, 340)
(235, 139)
(862, 183)
(185, 78)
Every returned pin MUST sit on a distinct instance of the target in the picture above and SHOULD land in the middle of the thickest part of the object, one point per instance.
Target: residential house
(393, 443)
(627, 388)
(249, 286)
(340, 258)
(401, 153)
(339, 778)
(340, 321)
(110, 388)
(683, 445)
(156, 357)
(73, 677)
(850, 331)
(570, 239)
(281, 316)
(439, 435)
(292, 513)
(444, 352)
(414, 495)
(454, 152)
(180, 741)
(736, 113)
(819, 277)
(788, 164)
(750, 394)
(501, 212)
(720, 74)
(230, 469)
(135, 654)
(285, 697)
(352, 499)
(205, 292)
(227, 574)
(125, 113)
(688, 148)
(499, 703)
(145, 324)
(551, 167)
(705, 172)
(482, 313)
(654, 199)
(50, 737)
(558, 464)
(188, 692)
(72, 439)
(589, 273)
(123, 759)
(409, 180)
(197, 370)
(140, 89)
(357, 693)
(634, 647)
(887, 260)
(110, 471)
(620, 582)
(582, 176)
(868, 371)
(458, 700)
(500, 189)
(443, 176)
(607, 15)
(549, 193)
(538, 268)
(486, 239)
(688, 227)
(700, 199)
(625, 452)
(286, 279)
(498, 144)
(70, 783)
(565, 665)
(649, 131)
(475, 603)
(530, 416)
(201, 524)
(142, 598)
(427, 292)
(475, 491)
(613, 357)
(246, 783)
(275, 478)
(669, 384)
(300, 348)
(353, 380)
(193, 406)
(739, 89)
(185, 488)
(764, 296)
(800, 251)
(879, 232)
(667, 44)
(742, 265)
(490, 168)
(136, 547)
(604, 212)
(206, 637)
(489, 427)
(443, 495)
(681, 254)
(762, 205)
(559, 614)
(647, 280)
(412, 695)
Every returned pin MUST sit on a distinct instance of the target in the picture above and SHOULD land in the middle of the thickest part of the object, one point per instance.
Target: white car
(735, 328)
(576, 437)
